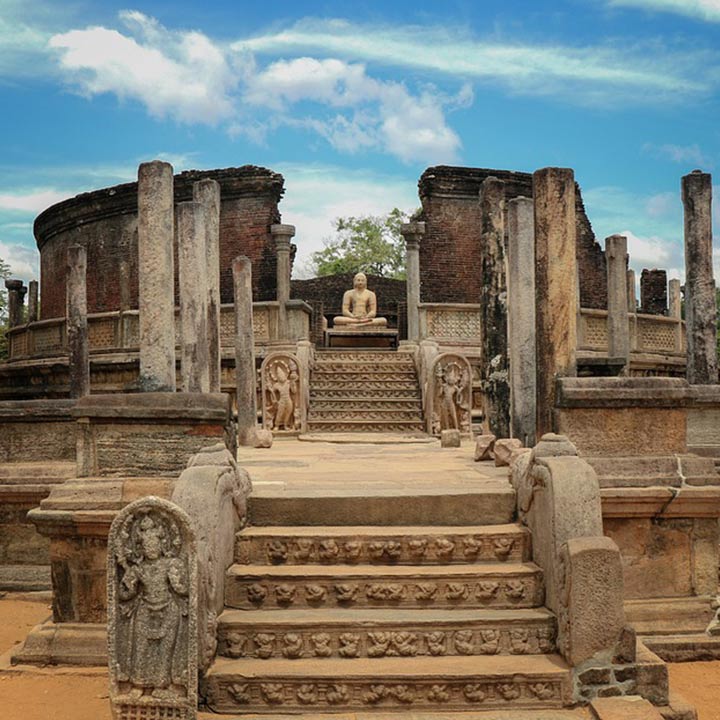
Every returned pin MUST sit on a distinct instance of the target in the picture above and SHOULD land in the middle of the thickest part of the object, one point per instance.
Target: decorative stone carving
(449, 396)
(282, 396)
(152, 612)
(359, 307)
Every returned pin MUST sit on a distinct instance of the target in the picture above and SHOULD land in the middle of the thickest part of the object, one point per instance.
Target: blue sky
(351, 101)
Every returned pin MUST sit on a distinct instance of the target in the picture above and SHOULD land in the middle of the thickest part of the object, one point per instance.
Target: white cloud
(23, 261)
(32, 201)
(662, 204)
(681, 154)
(703, 9)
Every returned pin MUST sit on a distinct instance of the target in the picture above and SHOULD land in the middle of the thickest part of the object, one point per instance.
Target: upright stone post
(33, 306)
(156, 277)
(493, 307)
(413, 233)
(281, 235)
(556, 286)
(521, 319)
(675, 300)
(700, 309)
(207, 193)
(631, 293)
(245, 373)
(618, 328)
(653, 292)
(16, 296)
(77, 330)
(192, 275)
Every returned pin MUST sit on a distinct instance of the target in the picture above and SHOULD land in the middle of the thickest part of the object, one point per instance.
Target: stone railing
(119, 331)
(451, 323)
(649, 334)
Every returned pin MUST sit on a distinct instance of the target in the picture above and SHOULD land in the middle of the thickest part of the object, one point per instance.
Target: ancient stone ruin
(491, 486)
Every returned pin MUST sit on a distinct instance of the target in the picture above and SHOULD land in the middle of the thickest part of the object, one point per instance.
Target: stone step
(37, 473)
(362, 356)
(343, 376)
(353, 404)
(419, 503)
(384, 633)
(364, 394)
(27, 578)
(497, 585)
(354, 426)
(416, 545)
(366, 414)
(389, 388)
(421, 683)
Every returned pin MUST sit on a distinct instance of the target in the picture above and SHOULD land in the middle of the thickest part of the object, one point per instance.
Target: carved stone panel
(282, 396)
(152, 612)
(449, 395)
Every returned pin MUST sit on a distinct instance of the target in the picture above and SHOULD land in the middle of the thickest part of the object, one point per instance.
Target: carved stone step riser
(489, 592)
(371, 371)
(365, 367)
(366, 427)
(236, 640)
(398, 550)
(372, 405)
(350, 389)
(365, 414)
(324, 355)
(474, 693)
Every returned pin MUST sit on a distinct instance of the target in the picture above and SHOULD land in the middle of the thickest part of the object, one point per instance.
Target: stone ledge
(683, 502)
(617, 392)
(160, 405)
(36, 410)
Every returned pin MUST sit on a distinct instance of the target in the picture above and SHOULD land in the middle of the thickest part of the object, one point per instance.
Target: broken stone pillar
(192, 274)
(618, 328)
(33, 306)
(77, 328)
(631, 295)
(493, 307)
(246, 393)
(207, 193)
(700, 309)
(556, 285)
(281, 235)
(413, 233)
(521, 318)
(675, 300)
(653, 292)
(156, 277)
(16, 297)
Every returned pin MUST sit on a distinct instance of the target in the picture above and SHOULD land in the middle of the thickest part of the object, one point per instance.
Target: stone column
(493, 307)
(281, 235)
(245, 374)
(413, 233)
(700, 309)
(556, 286)
(631, 294)
(521, 319)
(33, 307)
(653, 292)
(618, 329)
(192, 275)
(675, 301)
(77, 329)
(156, 277)
(16, 300)
(207, 193)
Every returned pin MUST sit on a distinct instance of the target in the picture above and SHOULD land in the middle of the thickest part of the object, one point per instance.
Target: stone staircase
(437, 618)
(353, 391)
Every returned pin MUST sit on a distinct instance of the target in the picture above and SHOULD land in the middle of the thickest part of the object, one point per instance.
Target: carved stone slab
(282, 393)
(449, 394)
(152, 612)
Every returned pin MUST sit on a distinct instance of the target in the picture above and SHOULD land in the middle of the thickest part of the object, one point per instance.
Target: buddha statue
(359, 307)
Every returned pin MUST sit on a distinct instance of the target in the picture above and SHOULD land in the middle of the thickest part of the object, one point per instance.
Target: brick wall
(653, 292)
(105, 223)
(449, 252)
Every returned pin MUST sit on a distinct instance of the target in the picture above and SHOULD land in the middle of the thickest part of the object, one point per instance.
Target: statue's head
(151, 539)
(360, 281)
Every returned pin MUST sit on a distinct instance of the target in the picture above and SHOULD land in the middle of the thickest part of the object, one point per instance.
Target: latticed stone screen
(442, 323)
(656, 336)
(48, 339)
(595, 332)
(101, 333)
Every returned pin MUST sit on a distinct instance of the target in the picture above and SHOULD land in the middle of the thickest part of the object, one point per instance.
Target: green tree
(368, 243)
(4, 274)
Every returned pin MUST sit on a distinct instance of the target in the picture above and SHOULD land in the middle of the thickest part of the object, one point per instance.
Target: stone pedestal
(413, 233)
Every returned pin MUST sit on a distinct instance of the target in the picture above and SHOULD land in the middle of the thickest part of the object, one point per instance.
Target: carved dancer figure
(282, 386)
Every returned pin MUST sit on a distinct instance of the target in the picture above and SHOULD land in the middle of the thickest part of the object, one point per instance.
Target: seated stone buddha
(359, 307)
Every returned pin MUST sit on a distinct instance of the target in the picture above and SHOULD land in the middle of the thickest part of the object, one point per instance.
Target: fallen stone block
(484, 445)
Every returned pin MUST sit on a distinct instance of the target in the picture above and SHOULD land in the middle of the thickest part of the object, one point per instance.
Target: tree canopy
(367, 243)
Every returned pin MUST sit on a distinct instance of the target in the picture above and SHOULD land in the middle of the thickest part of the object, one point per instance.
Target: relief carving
(449, 394)
(436, 643)
(321, 644)
(281, 393)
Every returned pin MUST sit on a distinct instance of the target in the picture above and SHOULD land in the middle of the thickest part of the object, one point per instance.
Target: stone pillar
(556, 286)
(77, 329)
(207, 193)
(281, 235)
(192, 275)
(493, 307)
(631, 294)
(675, 301)
(33, 307)
(156, 277)
(413, 233)
(245, 374)
(700, 309)
(16, 300)
(521, 318)
(653, 292)
(618, 328)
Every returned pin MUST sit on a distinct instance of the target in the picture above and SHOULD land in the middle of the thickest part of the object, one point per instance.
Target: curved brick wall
(105, 223)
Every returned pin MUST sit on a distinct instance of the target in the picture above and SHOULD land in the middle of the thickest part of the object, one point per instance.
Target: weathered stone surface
(618, 328)
(262, 438)
(700, 310)
(77, 330)
(556, 285)
(504, 449)
(20, 422)
(283, 394)
(631, 292)
(281, 237)
(412, 234)
(245, 392)
(33, 305)
(449, 394)
(450, 438)
(590, 609)
(152, 612)
(675, 299)
(624, 708)
(16, 297)
(156, 276)
(554, 445)
(653, 292)
(484, 447)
